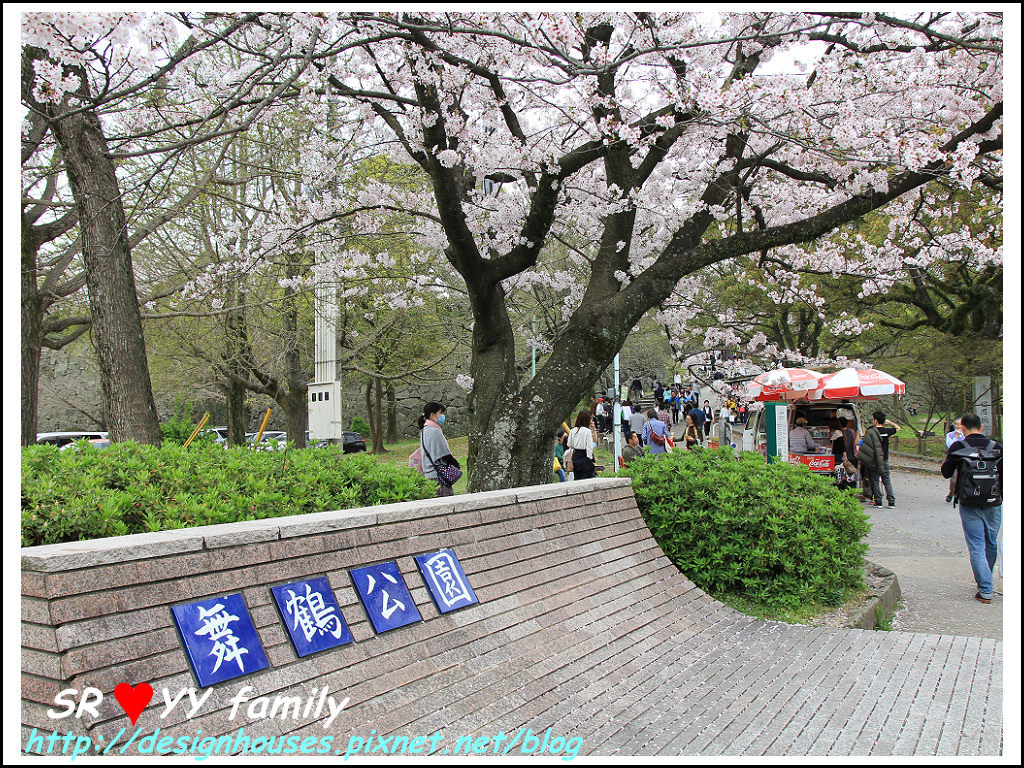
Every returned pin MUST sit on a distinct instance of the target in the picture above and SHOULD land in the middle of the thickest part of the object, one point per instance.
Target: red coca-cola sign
(814, 463)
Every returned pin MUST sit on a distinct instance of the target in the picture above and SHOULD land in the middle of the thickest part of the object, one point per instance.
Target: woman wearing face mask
(434, 448)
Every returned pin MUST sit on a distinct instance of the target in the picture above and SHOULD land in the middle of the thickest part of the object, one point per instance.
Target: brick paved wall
(98, 613)
(583, 627)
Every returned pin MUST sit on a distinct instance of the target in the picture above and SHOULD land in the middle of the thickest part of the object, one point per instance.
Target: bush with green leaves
(774, 534)
(84, 492)
(180, 426)
(361, 426)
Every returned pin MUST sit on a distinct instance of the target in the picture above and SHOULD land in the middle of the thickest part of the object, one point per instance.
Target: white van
(60, 439)
(819, 414)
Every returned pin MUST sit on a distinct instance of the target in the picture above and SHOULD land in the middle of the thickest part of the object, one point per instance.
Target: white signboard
(782, 432)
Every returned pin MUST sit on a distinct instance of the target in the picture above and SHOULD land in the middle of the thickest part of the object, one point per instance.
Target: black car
(352, 442)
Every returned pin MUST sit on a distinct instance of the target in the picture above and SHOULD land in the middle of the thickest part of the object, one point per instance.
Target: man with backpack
(978, 464)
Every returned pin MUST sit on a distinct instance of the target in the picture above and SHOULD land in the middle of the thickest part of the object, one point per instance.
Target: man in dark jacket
(981, 518)
(870, 459)
(886, 429)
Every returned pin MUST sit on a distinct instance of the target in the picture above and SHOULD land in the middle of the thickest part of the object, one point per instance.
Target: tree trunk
(128, 405)
(294, 404)
(237, 413)
(374, 440)
(374, 413)
(236, 343)
(378, 407)
(297, 415)
(512, 427)
(31, 337)
(391, 435)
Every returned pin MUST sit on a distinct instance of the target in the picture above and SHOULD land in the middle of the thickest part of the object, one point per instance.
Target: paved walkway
(921, 541)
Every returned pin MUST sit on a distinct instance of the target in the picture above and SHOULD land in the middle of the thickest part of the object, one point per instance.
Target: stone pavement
(921, 541)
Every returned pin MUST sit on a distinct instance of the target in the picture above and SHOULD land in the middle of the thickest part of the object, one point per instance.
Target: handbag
(448, 474)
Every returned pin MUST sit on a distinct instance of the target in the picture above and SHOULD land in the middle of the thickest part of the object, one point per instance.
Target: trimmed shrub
(86, 493)
(775, 534)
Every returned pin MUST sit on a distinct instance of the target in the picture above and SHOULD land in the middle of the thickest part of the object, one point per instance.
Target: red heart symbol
(133, 700)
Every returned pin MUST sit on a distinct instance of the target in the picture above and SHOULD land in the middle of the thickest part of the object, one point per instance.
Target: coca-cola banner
(814, 463)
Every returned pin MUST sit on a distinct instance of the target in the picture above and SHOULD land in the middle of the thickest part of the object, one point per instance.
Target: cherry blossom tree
(94, 83)
(649, 147)
(659, 145)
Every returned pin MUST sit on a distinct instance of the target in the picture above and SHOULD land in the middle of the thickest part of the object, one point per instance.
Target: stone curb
(931, 463)
(882, 603)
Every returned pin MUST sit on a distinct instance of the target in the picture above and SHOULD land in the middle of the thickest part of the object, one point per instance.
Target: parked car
(270, 440)
(60, 439)
(352, 442)
(220, 434)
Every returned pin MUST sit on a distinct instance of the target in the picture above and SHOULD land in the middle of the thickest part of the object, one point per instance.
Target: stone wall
(98, 613)
(69, 385)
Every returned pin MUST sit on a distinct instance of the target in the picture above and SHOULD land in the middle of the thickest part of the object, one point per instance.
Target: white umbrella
(785, 383)
(851, 382)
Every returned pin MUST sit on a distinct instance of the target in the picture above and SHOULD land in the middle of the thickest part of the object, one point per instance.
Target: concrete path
(921, 541)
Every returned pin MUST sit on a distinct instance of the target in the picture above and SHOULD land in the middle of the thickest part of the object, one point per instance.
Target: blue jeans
(981, 527)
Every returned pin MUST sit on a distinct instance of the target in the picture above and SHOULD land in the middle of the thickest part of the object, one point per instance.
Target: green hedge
(88, 493)
(774, 534)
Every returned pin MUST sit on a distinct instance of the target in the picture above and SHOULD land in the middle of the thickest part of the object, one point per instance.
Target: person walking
(582, 440)
(637, 421)
(558, 465)
(886, 429)
(692, 433)
(637, 389)
(675, 403)
(434, 450)
(870, 458)
(952, 436)
(709, 416)
(654, 433)
(976, 463)
(625, 415)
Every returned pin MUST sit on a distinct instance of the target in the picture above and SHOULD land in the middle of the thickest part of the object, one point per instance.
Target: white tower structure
(325, 389)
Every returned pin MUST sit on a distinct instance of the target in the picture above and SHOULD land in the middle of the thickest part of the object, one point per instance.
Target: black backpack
(977, 480)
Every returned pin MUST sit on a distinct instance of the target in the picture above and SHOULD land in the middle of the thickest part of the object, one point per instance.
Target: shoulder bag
(446, 473)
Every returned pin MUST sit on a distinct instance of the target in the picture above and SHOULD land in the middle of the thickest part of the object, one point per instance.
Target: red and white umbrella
(851, 382)
(784, 383)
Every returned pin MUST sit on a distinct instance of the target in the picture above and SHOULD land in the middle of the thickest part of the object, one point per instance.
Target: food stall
(778, 405)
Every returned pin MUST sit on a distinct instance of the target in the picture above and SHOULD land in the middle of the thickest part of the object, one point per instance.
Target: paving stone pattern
(583, 627)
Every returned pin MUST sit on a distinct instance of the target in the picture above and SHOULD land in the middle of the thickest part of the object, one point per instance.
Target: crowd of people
(644, 432)
(973, 462)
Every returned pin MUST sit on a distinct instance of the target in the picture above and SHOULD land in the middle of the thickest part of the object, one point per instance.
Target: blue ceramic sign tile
(445, 580)
(220, 639)
(384, 595)
(311, 615)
